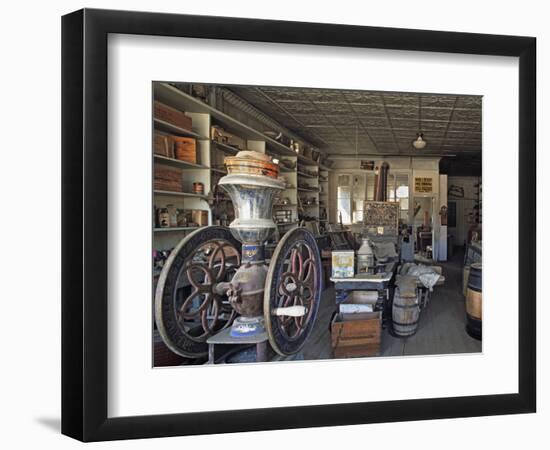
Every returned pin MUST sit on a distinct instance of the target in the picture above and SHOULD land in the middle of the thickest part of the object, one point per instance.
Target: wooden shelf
(225, 148)
(281, 224)
(181, 194)
(170, 95)
(213, 169)
(206, 116)
(166, 126)
(161, 230)
(286, 169)
(306, 175)
(307, 161)
(184, 165)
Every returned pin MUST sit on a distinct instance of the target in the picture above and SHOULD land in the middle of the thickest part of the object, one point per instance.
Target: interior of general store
(296, 223)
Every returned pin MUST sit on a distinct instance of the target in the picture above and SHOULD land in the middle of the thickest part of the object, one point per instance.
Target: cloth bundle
(427, 275)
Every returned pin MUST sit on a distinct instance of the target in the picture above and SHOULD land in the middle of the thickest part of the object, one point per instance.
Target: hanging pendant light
(419, 143)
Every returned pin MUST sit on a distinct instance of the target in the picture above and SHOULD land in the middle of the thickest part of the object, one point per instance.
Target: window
(358, 197)
(355, 189)
(344, 198)
(351, 197)
(398, 191)
(402, 195)
(371, 177)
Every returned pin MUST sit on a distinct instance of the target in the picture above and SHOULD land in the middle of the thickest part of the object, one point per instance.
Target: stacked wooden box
(173, 116)
(167, 178)
(356, 335)
(185, 149)
(164, 145)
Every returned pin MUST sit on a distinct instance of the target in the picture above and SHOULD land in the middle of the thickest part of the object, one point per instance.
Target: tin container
(343, 264)
(163, 218)
(198, 188)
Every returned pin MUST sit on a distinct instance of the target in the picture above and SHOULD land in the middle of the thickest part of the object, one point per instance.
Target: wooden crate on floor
(356, 335)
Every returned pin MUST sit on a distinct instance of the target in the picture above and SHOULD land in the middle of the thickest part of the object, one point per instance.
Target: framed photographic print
(207, 161)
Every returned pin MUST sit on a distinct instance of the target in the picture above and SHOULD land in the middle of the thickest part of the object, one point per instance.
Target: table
(381, 282)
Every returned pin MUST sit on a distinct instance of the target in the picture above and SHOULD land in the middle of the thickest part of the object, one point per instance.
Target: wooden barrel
(405, 313)
(474, 302)
(465, 275)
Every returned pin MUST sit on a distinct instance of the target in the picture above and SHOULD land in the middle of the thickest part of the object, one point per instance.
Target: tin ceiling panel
(350, 122)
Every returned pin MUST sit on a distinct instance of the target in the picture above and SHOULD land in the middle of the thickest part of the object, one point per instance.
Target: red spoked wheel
(187, 309)
(294, 279)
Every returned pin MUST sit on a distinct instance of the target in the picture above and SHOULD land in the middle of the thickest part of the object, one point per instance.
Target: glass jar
(365, 257)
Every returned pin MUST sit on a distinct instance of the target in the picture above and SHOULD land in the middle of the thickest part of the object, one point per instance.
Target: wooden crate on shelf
(172, 116)
(163, 144)
(356, 335)
(185, 149)
(167, 178)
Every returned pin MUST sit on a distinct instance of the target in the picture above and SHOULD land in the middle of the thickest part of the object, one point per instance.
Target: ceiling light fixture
(419, 143)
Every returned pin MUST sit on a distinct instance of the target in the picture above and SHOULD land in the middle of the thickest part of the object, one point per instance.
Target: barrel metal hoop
(405, 324)
(416, 305)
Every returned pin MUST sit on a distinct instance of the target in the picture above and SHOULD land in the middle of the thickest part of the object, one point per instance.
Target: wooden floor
(440, 330)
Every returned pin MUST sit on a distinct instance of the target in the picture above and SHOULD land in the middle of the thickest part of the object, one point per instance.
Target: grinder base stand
(224, 338)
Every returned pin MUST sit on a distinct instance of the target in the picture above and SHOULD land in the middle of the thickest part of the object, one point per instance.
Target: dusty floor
(441, 329)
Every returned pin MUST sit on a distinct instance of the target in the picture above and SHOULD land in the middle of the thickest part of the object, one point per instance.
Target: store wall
(464, 205)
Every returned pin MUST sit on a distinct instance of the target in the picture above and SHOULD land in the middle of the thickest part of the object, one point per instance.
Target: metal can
(198, 188)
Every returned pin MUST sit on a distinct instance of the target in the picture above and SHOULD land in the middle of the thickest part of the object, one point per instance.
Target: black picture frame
(84, 224)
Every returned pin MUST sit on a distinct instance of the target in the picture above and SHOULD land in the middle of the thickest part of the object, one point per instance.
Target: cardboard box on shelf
(173, 116)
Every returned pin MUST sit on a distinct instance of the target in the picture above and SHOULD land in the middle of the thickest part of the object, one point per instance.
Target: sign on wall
(423, 185)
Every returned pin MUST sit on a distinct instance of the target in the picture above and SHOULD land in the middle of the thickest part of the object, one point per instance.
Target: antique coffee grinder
(252, 184)
(217, 285)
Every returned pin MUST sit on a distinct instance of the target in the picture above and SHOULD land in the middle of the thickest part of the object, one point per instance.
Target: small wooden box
(185, 149)
(163, 145)
(167, 178)
(173, 116)
(356, 335)
(200, 217)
